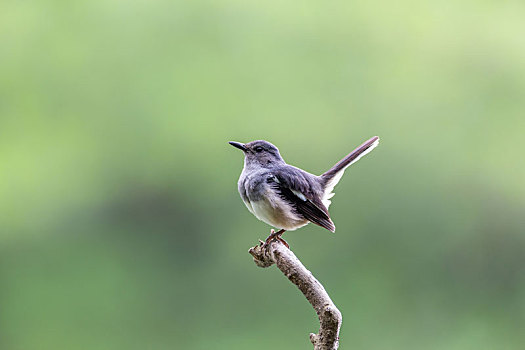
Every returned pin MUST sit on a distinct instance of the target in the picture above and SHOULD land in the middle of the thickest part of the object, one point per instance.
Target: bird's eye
(258, 149)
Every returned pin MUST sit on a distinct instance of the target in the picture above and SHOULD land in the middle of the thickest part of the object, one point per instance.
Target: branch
(275, 252)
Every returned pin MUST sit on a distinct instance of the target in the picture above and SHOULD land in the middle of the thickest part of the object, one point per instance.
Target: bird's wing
(293, 186)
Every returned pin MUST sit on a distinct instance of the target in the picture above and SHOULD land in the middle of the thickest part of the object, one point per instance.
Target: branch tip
(330, 318)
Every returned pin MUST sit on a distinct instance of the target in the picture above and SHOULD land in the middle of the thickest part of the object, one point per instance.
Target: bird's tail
(332, 176)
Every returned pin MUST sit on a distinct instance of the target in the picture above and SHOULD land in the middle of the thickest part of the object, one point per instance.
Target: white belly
(277, 213)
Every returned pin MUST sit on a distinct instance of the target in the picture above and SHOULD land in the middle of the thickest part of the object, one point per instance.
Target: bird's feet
(276, 235)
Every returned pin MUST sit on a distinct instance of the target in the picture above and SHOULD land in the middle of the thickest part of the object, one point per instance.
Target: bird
(287, 197)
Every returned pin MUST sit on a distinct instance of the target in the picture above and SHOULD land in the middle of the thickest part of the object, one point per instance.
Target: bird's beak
(238, 145)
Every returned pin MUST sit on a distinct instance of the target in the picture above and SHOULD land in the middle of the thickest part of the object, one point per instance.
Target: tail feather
(334, 174)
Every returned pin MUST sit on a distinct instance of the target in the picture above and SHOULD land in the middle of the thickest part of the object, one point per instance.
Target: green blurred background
(120, 222)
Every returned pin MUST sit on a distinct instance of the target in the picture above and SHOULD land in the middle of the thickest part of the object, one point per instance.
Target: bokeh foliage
(120, 224)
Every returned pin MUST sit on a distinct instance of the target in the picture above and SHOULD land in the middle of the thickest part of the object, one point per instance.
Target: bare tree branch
(275, 252)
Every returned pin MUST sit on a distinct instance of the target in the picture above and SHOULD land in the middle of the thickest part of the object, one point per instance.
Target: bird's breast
(266, 204)
(277, 212)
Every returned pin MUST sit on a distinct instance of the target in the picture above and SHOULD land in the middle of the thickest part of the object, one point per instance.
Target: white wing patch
(328, 193)
(300, 195)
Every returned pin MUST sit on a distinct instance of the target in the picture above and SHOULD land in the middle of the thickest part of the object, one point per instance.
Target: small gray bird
(287, 197)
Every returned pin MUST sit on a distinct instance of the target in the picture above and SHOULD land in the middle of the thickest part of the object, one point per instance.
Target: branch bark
(330, 318)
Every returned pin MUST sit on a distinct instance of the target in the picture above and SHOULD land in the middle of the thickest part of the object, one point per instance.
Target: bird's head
(259, 152)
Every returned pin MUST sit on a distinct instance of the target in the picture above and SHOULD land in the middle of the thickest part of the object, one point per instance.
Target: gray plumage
(287, 197)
